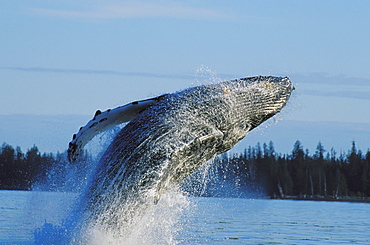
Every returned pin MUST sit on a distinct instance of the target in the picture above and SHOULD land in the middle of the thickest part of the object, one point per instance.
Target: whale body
(169, 137)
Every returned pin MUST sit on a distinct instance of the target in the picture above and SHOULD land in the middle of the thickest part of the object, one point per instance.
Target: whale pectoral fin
(175, 173)
(106, 120)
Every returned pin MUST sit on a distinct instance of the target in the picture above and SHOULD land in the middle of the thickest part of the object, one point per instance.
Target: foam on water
(151, 224)
(157, 224)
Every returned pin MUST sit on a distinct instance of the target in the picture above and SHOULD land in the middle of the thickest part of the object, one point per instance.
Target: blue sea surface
(22, 212)
(210, 220)
(264, 221)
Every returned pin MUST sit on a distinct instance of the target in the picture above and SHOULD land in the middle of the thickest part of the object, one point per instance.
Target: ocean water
(204, 220)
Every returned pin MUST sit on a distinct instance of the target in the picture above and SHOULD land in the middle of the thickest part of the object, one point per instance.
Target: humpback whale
(169, 137)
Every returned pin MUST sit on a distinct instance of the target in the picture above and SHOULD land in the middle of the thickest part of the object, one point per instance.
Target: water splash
(157, 224)
(150, 224)
(205, 75)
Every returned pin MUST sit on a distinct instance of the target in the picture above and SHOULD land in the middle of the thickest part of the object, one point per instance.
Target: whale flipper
(105, 120)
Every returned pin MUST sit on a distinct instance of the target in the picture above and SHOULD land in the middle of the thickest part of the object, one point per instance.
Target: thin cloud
(137, 9)
(102, 72)
(341, 86)
(363, 95)
(324, 78)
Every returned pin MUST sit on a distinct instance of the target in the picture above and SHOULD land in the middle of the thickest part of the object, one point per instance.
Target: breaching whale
(169, 137)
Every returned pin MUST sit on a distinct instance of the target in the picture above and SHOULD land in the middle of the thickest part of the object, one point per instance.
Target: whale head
(257, 99)
(239, 105)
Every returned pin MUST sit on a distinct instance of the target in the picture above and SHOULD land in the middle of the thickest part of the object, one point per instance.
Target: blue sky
(74, 57)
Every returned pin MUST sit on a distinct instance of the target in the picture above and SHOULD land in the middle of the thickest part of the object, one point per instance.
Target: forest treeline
(258, 168)
(23, 171)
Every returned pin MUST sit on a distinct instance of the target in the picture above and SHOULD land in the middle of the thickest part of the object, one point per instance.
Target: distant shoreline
(325, 199)
(296, 198)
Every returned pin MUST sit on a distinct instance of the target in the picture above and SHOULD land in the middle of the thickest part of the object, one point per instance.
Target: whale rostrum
(169, 137)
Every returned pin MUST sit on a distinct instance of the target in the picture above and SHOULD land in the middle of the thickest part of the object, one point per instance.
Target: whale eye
(227, 91)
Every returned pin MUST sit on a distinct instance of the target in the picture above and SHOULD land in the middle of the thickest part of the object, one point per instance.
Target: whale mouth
(284, 82)
(287, 82)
